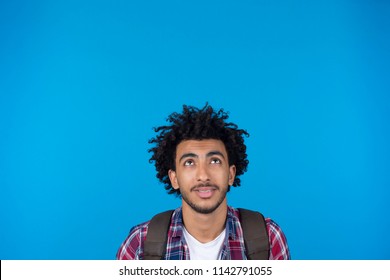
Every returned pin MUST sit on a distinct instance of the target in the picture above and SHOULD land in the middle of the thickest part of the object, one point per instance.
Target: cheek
(185, 176)
(221, 176)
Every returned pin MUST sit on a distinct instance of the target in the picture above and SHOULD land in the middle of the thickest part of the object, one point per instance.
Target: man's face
(202, 174)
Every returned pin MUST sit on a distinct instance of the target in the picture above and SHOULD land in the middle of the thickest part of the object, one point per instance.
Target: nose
(202, 174)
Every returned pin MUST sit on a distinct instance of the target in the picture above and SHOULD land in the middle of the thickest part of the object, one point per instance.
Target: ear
(173, 179)
(232, 174)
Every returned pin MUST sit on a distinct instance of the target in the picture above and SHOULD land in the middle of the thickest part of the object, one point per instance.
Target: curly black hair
(197, 124)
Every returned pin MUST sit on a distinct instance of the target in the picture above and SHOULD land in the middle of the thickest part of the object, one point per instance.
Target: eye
(188, 162)
(216, 161)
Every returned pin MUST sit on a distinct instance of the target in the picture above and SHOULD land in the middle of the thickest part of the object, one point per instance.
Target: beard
(205, 209)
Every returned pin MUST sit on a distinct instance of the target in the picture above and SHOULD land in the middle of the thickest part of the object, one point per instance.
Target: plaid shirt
(177, 248)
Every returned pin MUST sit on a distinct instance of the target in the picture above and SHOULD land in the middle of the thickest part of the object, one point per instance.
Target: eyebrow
(209, 154)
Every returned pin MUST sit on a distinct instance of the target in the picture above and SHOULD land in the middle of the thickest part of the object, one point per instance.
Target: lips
(205, 191)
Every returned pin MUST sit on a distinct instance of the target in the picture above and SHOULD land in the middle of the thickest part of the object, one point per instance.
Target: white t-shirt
(204, 251)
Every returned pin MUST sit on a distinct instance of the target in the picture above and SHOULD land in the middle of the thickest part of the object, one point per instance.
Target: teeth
(205, 191)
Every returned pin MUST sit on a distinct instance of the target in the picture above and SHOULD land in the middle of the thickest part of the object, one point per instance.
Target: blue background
(82, 84)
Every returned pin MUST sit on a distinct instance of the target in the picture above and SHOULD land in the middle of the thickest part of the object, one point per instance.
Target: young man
(198, 157)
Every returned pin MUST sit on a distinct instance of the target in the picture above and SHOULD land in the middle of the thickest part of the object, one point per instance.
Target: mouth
(205, 191)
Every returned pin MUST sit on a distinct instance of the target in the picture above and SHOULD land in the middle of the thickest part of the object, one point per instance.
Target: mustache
(204, 185)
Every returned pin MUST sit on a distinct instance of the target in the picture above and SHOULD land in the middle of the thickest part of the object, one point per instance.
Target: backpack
(252, 223)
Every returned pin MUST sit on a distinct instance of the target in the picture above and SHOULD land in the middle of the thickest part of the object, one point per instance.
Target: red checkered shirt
(177, 248)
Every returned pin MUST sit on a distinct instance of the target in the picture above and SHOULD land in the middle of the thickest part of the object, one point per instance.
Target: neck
(205, 227)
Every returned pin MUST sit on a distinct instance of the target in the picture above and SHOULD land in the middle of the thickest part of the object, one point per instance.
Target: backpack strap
(252, 223)
(255, 234)
(156, 237)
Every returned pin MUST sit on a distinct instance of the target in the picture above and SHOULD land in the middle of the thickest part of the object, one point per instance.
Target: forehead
(200, 147)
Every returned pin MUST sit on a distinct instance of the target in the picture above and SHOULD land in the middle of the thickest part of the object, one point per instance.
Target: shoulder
(132, 247)
(278, 242)
(279, 249)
